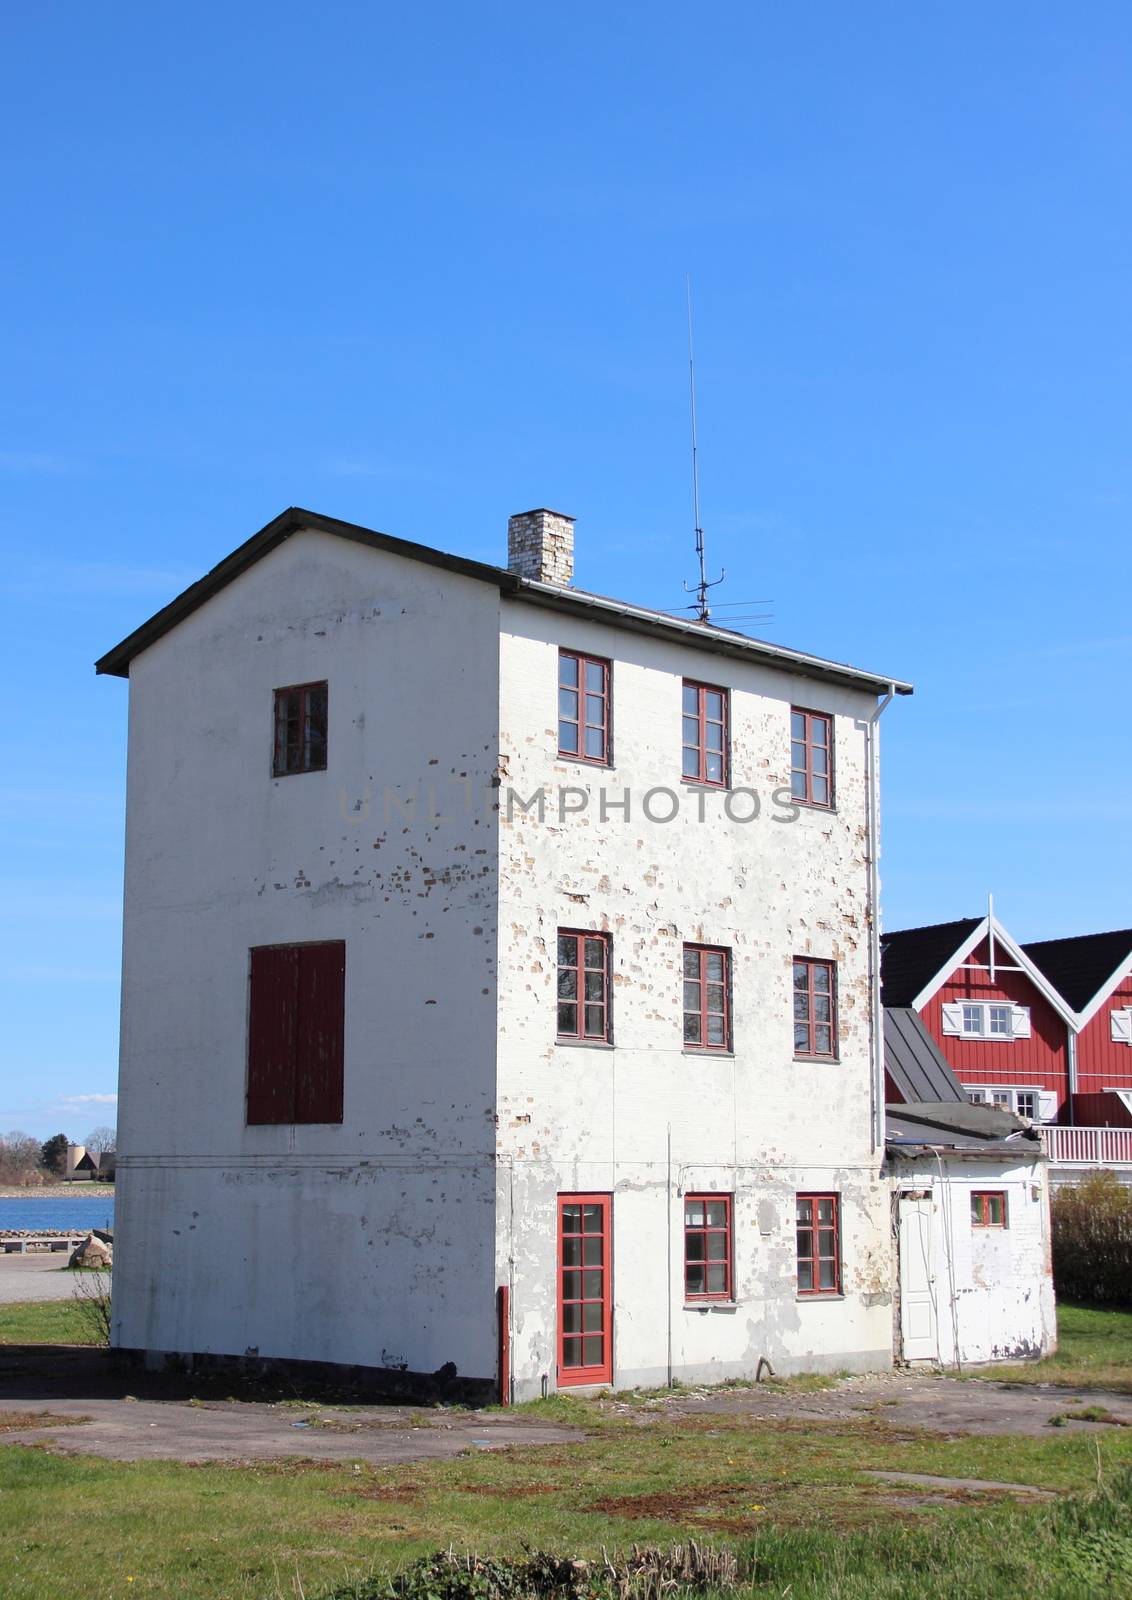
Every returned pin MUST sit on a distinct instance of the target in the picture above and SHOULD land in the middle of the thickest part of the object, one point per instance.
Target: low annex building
(501, 978)
(971, 1223)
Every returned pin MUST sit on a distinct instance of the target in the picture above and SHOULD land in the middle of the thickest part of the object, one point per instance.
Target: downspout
(1071, 1039)
(872, 824)
(668, 1208)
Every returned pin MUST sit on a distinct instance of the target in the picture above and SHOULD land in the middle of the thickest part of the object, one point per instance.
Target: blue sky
(423, 267)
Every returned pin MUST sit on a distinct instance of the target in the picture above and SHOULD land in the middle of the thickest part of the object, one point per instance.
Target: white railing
(1089, 1147)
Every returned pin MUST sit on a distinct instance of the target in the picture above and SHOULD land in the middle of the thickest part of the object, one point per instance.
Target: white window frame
(957, 1014)
(1120, 1025)
(984, 1094)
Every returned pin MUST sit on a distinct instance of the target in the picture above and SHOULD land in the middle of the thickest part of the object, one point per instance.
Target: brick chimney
(540, 545)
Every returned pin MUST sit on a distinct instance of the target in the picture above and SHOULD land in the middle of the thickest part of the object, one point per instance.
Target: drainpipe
(872, 822)
(668, 1208)
(1071, 1039)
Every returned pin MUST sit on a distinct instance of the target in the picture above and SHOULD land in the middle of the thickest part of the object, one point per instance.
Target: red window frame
(810, 999)
(818, 1243)
(296, 1031)
(809, 752)
(708, 1246)
(586, 718)
(982, 1207)
(576, 971)
(695, 725)
(578, 1294)
(697, 1002)
(301, 726)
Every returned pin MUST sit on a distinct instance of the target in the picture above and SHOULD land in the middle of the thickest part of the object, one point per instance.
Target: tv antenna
(700, 590)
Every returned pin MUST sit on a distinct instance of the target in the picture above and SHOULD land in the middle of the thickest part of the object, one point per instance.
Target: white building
(417, 1079)
(975, 1275)
(971, 1213)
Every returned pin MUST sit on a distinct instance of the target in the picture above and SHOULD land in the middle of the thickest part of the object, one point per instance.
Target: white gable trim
(1018, 957)
(1087, 1013)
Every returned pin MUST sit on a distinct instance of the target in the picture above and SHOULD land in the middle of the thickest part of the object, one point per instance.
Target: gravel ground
(131, 1416)
(35, 1278)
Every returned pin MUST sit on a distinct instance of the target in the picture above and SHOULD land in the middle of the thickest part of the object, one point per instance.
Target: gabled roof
(911, 958)
(1085, 970)
(617, 613)
(915, 1063)
(907, 957)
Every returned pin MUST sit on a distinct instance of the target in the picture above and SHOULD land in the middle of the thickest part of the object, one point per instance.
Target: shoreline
(60, 1191)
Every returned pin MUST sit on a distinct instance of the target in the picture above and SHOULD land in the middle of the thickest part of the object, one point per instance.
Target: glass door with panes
(585, 1303)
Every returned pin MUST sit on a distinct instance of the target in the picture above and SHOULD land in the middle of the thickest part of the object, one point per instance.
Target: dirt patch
(389, 1493)
(509, 1491)
(268, 1466)
(20, 1421)
(742, 1508)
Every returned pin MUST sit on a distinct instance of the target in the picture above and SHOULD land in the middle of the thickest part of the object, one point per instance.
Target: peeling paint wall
(576, 1118)
(993, 1287)
(371, 1242)
(381, 1241)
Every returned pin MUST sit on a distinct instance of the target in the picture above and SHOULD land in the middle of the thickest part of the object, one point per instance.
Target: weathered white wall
(590, 1118)
(372, 1242)
(999, 1279)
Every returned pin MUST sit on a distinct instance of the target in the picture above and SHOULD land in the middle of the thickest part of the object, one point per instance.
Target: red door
(585, 1300)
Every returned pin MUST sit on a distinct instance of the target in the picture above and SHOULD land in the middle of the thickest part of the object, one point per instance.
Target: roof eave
(1033, 972)
(636, 619)
(1112, 982)
(116, 662)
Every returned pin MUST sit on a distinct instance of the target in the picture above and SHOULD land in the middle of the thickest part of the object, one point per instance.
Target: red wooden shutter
(272, 1032)
(318, 1055)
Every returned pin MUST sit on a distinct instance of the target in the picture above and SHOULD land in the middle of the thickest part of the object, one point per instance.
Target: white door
(919, 1329)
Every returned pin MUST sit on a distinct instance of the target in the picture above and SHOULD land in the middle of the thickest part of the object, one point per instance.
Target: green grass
(48, 1322)
(1094, 1351)
(794, 1490)
(789, 1495)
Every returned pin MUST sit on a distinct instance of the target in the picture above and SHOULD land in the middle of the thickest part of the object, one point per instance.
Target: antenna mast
(700, 590)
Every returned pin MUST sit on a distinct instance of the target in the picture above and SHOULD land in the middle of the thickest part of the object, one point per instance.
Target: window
(295, 1033)
(815, 1008)
(707, 1247)
(707, 998)
(1026, 1102)
(811, 757)
(819, 1244)
(300, 729)
(583, 985)
(705, 754)
(988, 1209)
(583, 707)
(1120, 1025)
(986, 1019)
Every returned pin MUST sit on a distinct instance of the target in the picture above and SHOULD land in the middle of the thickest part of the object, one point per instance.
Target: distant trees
(101, 1140)
(53, 1154)
(20, 1159)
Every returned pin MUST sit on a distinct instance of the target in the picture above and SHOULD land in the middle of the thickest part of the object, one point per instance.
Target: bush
(645, 1574)
(1092, 1240)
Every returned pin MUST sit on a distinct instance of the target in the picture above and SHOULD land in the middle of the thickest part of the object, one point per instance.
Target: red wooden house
(1043, 1030)
(1000, 1023)
(1094, 975)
